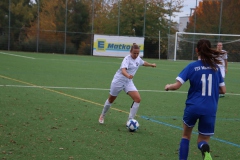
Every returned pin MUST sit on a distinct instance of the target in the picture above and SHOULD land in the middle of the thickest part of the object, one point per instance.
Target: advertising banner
(116, 46)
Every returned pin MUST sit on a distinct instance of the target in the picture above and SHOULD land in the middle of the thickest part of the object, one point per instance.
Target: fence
(55, 26)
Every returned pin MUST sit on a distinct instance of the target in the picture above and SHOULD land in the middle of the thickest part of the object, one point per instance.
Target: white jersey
(222, 58)
(131, 66)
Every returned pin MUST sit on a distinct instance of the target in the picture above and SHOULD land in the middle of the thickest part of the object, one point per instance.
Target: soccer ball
(132, 125)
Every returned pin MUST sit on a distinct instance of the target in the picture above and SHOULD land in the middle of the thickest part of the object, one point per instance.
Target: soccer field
(50, 105)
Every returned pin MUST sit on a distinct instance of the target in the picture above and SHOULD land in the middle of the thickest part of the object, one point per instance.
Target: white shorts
(222, 69)
(116, 88)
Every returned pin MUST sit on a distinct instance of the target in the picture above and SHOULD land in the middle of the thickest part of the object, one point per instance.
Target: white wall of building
(183, 21)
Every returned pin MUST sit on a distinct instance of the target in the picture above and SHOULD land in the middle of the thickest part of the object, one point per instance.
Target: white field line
(22, 86)
(16, 55)
(100, 89)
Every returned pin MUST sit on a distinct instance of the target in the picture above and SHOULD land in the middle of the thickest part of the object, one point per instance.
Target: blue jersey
(203, 93)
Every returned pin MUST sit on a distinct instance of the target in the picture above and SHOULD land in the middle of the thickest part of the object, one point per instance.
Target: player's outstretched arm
(173, 86)
(149, 64)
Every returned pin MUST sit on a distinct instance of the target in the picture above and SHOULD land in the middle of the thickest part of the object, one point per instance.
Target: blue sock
(183, 150)
(201, 143)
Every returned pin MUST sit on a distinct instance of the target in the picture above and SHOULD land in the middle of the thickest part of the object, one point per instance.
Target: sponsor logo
(102, 45)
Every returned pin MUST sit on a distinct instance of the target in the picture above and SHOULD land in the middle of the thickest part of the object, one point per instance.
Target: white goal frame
(190, 33)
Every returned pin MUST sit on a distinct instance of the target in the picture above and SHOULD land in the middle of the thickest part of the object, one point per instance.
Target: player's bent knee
(137, 100)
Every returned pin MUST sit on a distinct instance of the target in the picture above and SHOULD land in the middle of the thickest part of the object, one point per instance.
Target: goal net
(182, 45)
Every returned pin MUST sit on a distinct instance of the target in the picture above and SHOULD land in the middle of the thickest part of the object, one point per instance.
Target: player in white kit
(224, 66)
(123, 80)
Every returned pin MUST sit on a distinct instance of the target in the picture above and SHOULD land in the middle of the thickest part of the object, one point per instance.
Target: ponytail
(134, 46)
(208, 55)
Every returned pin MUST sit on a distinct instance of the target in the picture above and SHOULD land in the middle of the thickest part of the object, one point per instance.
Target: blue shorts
(206, 123)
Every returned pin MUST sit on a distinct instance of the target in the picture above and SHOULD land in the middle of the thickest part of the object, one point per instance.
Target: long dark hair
(208, 56)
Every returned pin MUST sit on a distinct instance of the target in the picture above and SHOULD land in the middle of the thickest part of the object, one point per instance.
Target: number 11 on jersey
(209, 79)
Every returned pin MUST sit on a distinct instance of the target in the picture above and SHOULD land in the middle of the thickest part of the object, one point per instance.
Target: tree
(142, 18)
(21, 16)
(53, 20)
(208, 17)
(4, 15)
(78, 21)
(48, 22)
(84, 17)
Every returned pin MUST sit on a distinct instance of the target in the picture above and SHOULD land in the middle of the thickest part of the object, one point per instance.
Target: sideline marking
(103, 89)
(180, 128)
(17, 55)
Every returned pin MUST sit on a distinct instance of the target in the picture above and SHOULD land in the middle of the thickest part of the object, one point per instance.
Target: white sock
(133, 110)
(106, 107)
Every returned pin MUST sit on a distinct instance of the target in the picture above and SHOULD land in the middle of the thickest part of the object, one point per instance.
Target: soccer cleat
(101, 119)
(205, 149)
(207, 156)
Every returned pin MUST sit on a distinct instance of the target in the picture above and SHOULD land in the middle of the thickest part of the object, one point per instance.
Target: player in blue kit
(206, 83)
(123, 80)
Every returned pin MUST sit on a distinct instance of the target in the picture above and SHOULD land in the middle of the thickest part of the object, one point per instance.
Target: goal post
(186, 42)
